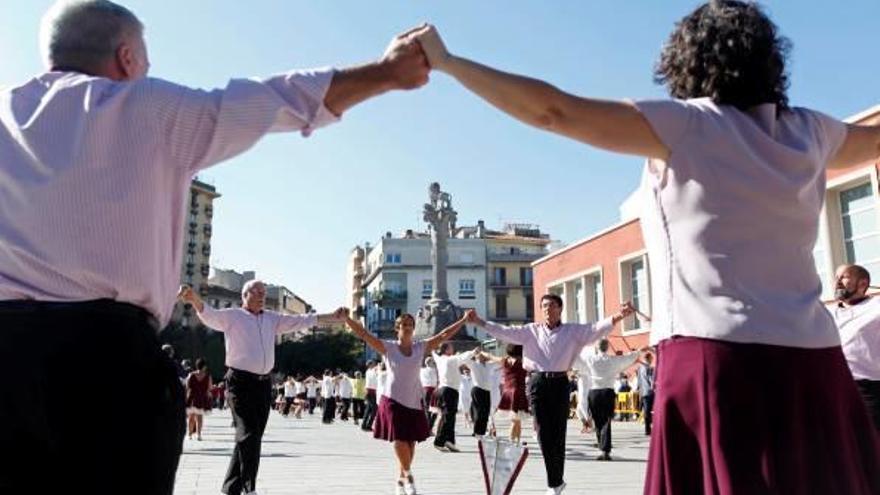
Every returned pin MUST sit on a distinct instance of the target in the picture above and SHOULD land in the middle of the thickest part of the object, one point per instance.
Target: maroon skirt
(394, 421)
(735, 418)
(430, 400)
(514, 399)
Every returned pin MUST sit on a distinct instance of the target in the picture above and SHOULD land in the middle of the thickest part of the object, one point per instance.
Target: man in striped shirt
(96, 159)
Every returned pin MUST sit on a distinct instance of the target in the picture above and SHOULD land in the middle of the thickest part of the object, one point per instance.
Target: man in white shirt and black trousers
(449, 377)
(857, 316)
(604, 369)
(549, 349)
(250, 333)
(97, 162)
(481, 399)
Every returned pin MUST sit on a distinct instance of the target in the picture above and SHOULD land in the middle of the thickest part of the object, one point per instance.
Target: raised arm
(512, 334)
(187, 295)
(402, 66)
(359, 330)
(491, 358)
(612, 125)
(435, 341)
(861, 145)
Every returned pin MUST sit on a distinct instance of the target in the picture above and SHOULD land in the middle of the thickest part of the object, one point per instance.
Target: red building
(594, 275)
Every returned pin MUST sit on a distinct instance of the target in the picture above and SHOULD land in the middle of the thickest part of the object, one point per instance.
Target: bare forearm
(354, 85)
(611, 125)
(364, 335)
(198, 304)
(531, 101)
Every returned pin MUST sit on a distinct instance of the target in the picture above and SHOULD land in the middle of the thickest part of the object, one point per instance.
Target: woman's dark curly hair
(729, 51)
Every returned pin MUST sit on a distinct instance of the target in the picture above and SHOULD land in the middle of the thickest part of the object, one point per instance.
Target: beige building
(355, 276)
(509, 256)
(196, 265)
(489, 270)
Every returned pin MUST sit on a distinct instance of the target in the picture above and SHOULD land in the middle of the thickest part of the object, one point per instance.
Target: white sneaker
(559, 489)
(399, 489)
(409, 486)
(451, 446)
(441, 448)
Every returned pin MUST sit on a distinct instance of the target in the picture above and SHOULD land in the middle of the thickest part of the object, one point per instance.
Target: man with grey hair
(250, 333)
(97, 161)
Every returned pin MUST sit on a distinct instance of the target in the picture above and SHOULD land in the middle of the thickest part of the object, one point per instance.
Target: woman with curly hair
(753, 394)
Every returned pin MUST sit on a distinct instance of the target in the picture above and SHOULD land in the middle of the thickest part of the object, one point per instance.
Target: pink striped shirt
(94, 175)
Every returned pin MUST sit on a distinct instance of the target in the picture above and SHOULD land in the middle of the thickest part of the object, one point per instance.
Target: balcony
(387, 297)
(207, 230)
(513, 258)
(209, 211)
(205, 270)
(206, 250)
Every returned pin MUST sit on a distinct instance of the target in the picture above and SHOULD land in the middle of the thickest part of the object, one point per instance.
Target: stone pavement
(305, 457)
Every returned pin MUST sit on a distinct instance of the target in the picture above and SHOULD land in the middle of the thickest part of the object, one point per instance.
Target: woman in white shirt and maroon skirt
(753, 394)
(401, 417)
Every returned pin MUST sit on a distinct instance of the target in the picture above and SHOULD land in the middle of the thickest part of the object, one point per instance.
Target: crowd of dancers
(759, 388)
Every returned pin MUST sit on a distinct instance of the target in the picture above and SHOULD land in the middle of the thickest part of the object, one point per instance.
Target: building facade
(509, 255)
(198, 230)
(397, 278)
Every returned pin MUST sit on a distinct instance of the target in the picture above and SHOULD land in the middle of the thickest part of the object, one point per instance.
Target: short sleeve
(830, 134)
(669, 119)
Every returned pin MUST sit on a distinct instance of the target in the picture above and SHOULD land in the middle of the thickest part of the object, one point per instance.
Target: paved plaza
(305, 457)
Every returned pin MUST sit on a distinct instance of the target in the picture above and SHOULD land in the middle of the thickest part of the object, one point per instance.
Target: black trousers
(313, 402)
(602, 410)
(870, 390)
(288, 401)
(250, 400)
(357, 409)
(648, 411)
(329, 410)
(64, 369)
(481, 402)
(448, 402)
(370, 410)
(344, 409)
(549, 397)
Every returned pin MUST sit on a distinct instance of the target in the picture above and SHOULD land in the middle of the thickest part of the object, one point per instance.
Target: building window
(525, 276)
(466, 288)
(499, 277)
(578, 308)
(861, 238)
(501, 306)
(636, 288)
(392, 257)
(427, 288)
(594, 297)
(530, 307)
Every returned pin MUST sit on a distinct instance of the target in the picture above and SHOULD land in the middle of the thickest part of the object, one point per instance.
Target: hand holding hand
(433, 46)
(408, 68)
(186, 294)
(341, 313)
(471, 316)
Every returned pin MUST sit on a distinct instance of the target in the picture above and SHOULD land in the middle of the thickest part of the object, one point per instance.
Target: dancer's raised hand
(433, 46)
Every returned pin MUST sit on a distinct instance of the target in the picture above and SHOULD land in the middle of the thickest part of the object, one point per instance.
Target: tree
(322, 350)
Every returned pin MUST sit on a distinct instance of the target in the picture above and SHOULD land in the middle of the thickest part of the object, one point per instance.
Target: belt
(99, 306)
(249, 375)
(549, 374)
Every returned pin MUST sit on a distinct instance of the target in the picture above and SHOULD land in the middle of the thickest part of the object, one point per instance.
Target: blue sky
(292, 208)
